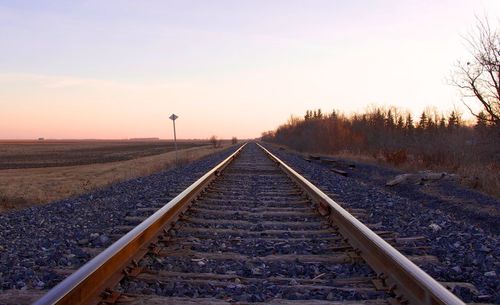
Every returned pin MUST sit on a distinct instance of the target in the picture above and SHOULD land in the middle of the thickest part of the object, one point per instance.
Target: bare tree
(479, 78)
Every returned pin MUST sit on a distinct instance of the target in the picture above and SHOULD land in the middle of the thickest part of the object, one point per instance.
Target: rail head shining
(86, 284)
(406, 278)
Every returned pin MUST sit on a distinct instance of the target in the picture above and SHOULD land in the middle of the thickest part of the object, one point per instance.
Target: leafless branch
(480, 76)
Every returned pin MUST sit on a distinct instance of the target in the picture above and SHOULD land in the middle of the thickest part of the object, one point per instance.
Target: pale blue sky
(226, 67)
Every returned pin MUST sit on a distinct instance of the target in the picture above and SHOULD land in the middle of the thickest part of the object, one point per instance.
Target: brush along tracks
(255, 231)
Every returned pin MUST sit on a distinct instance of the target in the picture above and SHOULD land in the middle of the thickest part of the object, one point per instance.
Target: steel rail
(86, 285)
(400, 275)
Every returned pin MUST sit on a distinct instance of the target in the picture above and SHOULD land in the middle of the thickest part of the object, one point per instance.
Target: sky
(118, 68)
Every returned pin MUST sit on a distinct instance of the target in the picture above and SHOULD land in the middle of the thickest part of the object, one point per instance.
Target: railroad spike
(110, 296)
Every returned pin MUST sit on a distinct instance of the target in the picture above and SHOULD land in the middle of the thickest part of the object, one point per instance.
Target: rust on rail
(88, 284)
(398, 273)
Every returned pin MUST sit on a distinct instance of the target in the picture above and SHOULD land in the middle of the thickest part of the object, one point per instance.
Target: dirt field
(34, 175)
(49, 153)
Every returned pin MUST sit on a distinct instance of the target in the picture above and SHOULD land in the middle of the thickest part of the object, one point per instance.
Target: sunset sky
(118, 69)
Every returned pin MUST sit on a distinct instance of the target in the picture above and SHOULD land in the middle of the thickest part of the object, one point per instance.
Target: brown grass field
(50, 153)
(483, 178)
(38, 172)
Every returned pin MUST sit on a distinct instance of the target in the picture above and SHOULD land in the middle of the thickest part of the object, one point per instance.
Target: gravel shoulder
(39, 246)
(468, 249)
(447, 195)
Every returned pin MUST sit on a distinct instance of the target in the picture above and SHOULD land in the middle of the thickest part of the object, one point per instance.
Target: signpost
(173, 117)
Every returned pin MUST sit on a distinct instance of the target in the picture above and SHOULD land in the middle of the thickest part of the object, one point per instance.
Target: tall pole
(173, 117)
(175, 144)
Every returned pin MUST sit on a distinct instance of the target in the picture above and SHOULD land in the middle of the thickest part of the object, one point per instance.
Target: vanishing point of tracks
(250, 230)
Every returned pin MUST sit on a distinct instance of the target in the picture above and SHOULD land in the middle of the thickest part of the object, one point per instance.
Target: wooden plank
(248, 203)
(218, 207)
(208, 277)
(268, 233)
(329, 160)
(418, 259)
(115, 237)
(290, 224)
(286, 188)
(273, 193)
(62, 271)
(333, 258)
(308, 213)
(124, 228)
(22, 297)
(325, 302)
(399, 179)
(361, 287)
(135, 219)
(158, 300)
(148, 210)
(409, 239)
(189, 242)
(92, 251)
(314, 157)
(339, 171)
(252, 239)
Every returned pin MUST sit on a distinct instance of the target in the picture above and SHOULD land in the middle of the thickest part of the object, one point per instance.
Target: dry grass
(481, 177)
(20, 188)
(484, 178)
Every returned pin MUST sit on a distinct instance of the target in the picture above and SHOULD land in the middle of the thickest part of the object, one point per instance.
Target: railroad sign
(173, 117)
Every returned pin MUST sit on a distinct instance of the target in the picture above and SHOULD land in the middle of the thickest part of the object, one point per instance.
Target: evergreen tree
(400, 124)
(389, 121)
(333, 115)
(482, 122)
(442, 123)
(453, 120)
(409, 122)
(422, 123)
(431, 123)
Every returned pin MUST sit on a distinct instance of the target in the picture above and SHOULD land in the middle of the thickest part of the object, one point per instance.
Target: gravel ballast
(467, 252)
(246, 252)
(38, 244)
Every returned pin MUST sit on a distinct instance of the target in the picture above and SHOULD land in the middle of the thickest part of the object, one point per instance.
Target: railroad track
(253, 230)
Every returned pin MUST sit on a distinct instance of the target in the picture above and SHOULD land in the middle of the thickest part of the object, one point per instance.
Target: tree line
(430, 140)
(392, 134)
